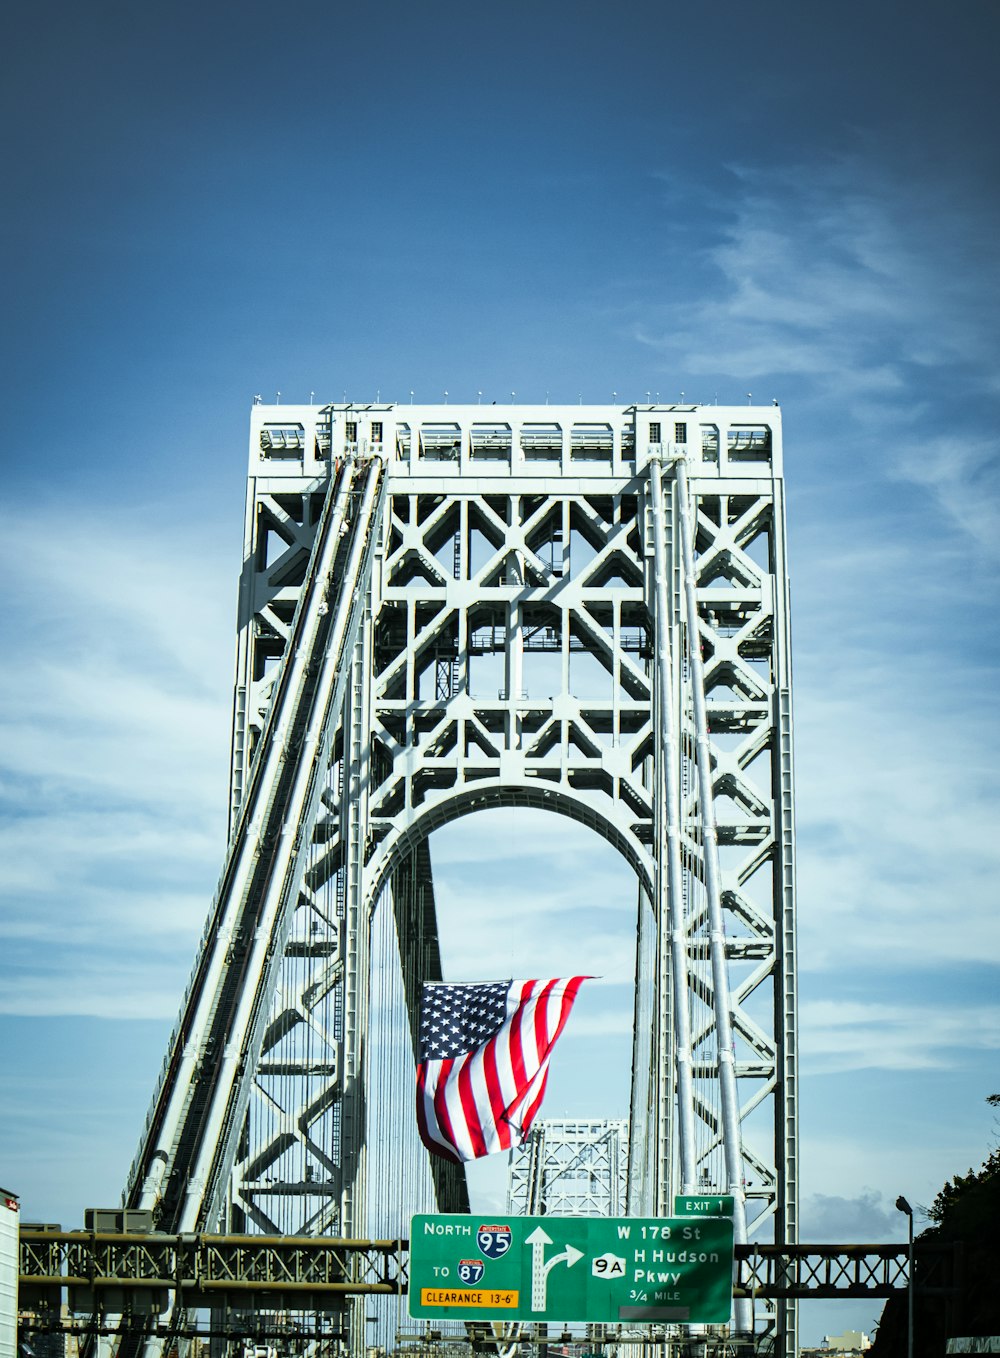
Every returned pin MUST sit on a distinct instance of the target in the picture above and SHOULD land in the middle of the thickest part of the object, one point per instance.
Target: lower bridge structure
(261, 1276)
(581, 610)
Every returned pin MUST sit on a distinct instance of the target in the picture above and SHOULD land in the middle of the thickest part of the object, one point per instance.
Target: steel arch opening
(497, 918)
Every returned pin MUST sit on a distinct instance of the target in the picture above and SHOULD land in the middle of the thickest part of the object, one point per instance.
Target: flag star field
(456, 1018)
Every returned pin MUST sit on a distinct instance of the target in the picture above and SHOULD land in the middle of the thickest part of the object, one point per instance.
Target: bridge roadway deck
(306, 1273)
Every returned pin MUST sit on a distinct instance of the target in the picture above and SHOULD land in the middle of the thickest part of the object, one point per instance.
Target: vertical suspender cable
(670, 913)
(728, 1095)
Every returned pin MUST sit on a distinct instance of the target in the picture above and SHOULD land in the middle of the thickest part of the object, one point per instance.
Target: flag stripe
(541, 1018)
(428, 1121)
(451, 1095)
(470, 1112)
(494, 1092)
(519, 1074)
(447, 1074)
(536, 1102)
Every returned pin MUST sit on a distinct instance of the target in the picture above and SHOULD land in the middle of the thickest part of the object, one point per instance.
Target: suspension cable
(670, 913)
(728, 1093)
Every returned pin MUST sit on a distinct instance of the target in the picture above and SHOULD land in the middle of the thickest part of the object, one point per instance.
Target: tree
(959, 1203)
(964, 1215)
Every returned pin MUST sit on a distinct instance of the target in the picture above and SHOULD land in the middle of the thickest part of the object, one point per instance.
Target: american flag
(484, 1060)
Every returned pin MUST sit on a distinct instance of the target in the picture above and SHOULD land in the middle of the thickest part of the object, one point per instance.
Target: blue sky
(205, 202)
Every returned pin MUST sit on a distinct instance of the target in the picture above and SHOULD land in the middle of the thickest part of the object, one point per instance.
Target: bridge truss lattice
(424, 590)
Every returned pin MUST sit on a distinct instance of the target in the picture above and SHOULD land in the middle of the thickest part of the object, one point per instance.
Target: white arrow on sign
(540, 1267)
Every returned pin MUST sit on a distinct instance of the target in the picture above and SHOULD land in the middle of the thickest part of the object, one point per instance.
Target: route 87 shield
(628, 1269)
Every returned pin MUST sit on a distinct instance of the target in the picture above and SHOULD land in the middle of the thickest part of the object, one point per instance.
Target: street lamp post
(904, 1207)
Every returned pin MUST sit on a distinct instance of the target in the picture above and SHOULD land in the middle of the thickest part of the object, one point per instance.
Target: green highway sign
(704, 1205)
(629, 1269)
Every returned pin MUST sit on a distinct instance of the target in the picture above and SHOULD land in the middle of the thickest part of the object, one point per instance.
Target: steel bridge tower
(576, 1168)
(421, 585)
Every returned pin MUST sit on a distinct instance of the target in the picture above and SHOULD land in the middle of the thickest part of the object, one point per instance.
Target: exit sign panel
(622, 1269)
(704, 1205)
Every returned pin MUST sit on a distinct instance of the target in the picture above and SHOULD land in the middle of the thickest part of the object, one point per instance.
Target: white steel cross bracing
(509, 614)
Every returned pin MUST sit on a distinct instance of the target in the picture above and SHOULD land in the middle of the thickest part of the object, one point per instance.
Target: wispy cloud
(842, 273)
(113, 759)
(841, 1035)
(875, 303)
(898, 856)
(964, 475)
